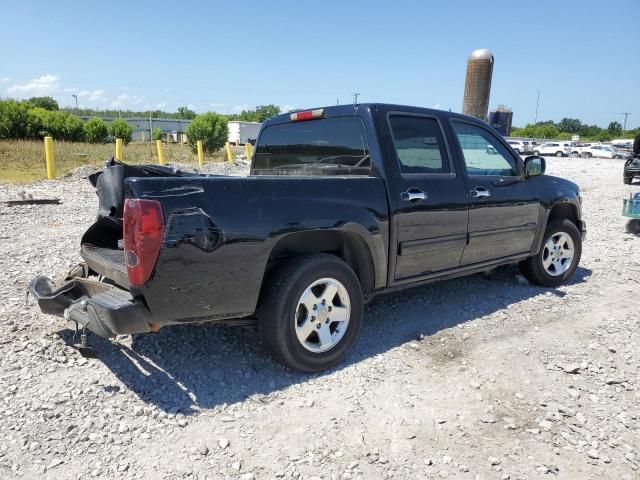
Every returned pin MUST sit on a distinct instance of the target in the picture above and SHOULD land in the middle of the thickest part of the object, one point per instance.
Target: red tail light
(143, 231)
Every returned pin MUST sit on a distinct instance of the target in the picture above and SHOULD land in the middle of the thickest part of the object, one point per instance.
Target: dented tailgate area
(95, 294)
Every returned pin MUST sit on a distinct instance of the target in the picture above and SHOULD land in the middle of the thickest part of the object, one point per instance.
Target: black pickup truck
(342, 203)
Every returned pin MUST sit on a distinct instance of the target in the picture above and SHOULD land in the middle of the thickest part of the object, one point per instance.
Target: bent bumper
(102, 308)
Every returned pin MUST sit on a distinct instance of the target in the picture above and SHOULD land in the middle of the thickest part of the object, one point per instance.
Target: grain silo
(477, 87)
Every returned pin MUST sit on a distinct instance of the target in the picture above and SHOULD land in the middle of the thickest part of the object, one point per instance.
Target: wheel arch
(349, 246)
(560, 210)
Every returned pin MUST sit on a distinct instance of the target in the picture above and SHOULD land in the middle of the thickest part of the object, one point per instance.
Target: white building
(241, 132)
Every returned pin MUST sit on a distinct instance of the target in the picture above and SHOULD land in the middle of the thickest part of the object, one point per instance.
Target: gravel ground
(481, 377)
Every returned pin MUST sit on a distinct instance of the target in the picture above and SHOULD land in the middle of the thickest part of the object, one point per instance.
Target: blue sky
(583, 55)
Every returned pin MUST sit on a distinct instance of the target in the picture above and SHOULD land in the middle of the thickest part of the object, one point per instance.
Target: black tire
(627, 180)
(559, 154)
(279, 305)
(517, 150)
(536, 153)
(533, 269)
(633, 227)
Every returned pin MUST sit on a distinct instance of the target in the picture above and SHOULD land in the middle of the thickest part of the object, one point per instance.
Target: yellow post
(229, 154)
(119, 149)
(160, 152)
(200, 154)
(247, 150)
(50, 159)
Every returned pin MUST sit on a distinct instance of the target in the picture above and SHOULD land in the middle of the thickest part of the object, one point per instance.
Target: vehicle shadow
(188, 368)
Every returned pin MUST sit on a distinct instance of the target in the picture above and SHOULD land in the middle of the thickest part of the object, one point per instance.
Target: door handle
(480, 192)
(413, 195)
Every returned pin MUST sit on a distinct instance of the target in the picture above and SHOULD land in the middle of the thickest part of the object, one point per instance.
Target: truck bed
(105, 261)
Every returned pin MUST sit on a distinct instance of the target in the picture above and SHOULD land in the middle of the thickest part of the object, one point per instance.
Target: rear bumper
(104, 309)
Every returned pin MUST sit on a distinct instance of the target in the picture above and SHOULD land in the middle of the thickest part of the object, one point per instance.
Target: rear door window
(419, 144)
(328, 146)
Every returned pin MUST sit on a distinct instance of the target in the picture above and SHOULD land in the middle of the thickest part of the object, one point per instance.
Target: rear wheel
(558, 258)
(559, 154)
(310, 312)
(536, 153)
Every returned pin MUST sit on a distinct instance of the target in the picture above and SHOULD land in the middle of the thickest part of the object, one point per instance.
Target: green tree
(263, 112)
(57, 124)
(48, 103)
(96, 130)
(615, 129)
(120, 128)
(156, 133)
(14, 119)
(571, 125)
(185, 113)
(209, 127)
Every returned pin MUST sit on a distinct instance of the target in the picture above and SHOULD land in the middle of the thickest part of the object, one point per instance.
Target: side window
(483, 153)
(419, 144)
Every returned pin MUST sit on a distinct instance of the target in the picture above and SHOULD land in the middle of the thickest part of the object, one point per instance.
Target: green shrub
(120, 128)
(96, 130)
(14, 119)
(209, 127)
(157, 133)
(57, 124)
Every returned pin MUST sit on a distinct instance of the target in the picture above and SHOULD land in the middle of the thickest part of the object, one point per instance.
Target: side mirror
(534, 166)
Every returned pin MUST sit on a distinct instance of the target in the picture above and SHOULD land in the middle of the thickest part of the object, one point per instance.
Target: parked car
(631, 170)
(624, 144)
(343, 203)
(602, 151)
(520, 147)
(559, 149)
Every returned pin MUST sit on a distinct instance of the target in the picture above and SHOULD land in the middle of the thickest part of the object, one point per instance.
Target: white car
(520, 146)
(602, 151)
(559, 149)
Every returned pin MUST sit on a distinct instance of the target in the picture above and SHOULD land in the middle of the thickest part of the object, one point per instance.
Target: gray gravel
(481, 377)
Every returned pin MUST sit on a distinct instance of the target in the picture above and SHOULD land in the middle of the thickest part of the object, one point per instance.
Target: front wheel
(310, 312)
(627, 180)
(536, 153)
(558, 258)
(559, 154)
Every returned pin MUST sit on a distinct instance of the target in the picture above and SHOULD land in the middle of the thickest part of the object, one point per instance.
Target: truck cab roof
(350, 109)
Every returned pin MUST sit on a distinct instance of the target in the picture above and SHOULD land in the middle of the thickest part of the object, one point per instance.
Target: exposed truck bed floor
(106, 261)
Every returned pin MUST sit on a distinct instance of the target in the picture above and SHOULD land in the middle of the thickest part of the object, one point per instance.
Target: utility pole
(355, 99)
(624, 127)
(76, 97)
(537, 103)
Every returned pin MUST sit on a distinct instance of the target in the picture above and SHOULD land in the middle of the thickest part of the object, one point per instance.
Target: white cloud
(126, 100)
(218, 105)
(286, 108)
(160, 105)
(92, 95)
(437, 106)
(5, 79)
(239, 108)
(44, 85)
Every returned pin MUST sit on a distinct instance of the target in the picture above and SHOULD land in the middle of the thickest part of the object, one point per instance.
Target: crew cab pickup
(342, 203)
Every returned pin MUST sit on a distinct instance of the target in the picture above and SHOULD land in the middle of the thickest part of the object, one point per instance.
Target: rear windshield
(328, 146)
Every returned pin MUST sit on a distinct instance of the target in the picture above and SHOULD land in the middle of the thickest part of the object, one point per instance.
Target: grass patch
(22, 161)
